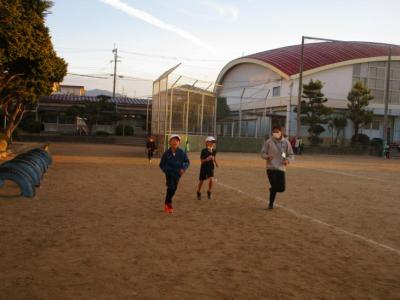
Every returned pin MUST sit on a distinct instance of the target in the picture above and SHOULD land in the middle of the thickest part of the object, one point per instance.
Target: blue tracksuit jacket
(171, 164)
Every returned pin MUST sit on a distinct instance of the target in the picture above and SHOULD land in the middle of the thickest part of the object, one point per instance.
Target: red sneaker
(170, 209)
(166, 208)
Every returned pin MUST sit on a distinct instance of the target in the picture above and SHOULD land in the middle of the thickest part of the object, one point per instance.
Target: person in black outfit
(174, 162)
(151, 147)
(208, 161)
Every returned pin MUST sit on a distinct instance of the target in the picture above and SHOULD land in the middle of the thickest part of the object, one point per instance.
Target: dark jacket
(171, 164)
(151, 145)
(208, 165)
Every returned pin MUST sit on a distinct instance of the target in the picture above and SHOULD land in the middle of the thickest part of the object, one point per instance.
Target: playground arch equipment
(26, 170)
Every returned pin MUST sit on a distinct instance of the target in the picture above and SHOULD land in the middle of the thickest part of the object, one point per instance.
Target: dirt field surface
(97, 230)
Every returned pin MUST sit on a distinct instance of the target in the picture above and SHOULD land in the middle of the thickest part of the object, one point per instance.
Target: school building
(52, 112)
(261, 89)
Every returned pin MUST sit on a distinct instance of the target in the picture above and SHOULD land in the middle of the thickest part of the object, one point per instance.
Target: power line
(82, 50)
(85, 75)
(77, 50)
(172, 57)
(249, 86)
(152, 60)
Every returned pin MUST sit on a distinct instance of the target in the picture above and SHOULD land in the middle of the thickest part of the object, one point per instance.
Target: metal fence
(182, 105)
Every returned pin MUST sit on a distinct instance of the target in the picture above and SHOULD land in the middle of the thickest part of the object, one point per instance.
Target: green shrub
(102, 133)
(126, 130)
(32, 126)
(315, 140)
(376, 142)
(361, 139)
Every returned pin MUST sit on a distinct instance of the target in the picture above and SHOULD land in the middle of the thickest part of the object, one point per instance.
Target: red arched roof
(287, 59)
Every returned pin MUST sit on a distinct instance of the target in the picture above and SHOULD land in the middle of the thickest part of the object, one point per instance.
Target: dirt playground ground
(97, 230)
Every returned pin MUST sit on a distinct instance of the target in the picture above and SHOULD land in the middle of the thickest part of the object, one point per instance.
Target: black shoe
(198, 196)
(209, 195)
(271, 206)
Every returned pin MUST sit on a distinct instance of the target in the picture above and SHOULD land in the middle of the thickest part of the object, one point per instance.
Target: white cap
(174, 136)
(210, 139)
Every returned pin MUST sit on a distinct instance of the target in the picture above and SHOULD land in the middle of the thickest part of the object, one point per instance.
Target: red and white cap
(174, 136)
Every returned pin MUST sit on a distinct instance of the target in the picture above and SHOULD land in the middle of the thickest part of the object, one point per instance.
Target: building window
(395, 74)
(220, 129)
(49, 117)
(375, 125)
(357, 70)
(276, 91)
(374, 76)
(394, 97)
(227, 129)
(63, 118)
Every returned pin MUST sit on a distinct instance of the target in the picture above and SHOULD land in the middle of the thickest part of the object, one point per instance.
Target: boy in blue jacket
(174, 162)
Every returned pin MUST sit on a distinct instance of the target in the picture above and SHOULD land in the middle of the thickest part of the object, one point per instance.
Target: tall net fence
(184, 106)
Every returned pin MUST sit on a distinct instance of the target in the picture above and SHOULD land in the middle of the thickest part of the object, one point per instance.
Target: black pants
(150, 153)
(172, 185)
(277, 180)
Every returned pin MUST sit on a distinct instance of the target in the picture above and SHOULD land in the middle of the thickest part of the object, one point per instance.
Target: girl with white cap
(208, 162)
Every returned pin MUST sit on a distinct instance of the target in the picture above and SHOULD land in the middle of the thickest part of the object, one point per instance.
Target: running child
(151, 147)
(208, 161)
(174, 162)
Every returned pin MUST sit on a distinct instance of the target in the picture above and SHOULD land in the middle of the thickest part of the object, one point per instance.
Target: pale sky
(154, 35)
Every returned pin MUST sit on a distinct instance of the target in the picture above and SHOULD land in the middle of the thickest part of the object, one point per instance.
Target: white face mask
(277, 135)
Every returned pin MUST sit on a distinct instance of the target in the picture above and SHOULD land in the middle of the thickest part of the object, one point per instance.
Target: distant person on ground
(151, 147)
(278, 152)
(294, 142)
(187, 148)
(296, 147)
(174, 162)
(300, 146)
(208, 161)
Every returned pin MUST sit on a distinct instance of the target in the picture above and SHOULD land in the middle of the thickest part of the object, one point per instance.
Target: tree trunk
(13, 120)
(3, 143)
(356, 129)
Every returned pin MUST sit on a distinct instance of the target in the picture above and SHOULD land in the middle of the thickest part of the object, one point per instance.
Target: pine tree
(338, 123)
(223, 109)
(314, 113)
(359, 98)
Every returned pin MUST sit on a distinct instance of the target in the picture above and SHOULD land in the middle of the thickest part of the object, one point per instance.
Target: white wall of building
(71, 90)
(253, 82)
(257, 80)
(254, 85)
(337, 84)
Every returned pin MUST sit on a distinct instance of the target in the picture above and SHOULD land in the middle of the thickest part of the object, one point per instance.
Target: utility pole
(240, 113)
(115, 61)
(303, 38)
(147, 117)
(289, 110)
(387, 95)
(264, 117)
(298, 132)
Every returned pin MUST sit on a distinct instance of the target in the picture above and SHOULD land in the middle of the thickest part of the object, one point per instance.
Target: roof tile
(287, 59)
